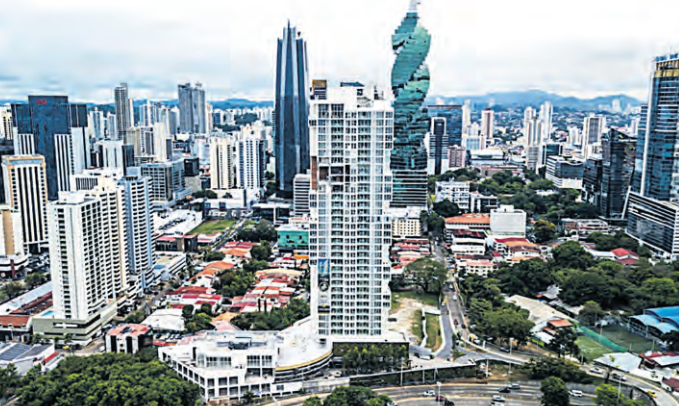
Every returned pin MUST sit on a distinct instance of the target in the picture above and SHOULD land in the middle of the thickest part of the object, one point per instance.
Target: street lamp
(438, 383)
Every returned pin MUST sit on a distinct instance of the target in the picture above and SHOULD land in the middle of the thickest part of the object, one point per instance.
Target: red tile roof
(195, 290)
(15, 320)
(560, 323)
(622, 252)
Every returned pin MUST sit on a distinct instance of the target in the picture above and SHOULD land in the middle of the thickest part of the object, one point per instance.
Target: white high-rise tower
(351, 137)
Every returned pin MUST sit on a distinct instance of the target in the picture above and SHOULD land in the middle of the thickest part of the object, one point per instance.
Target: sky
(84, 48)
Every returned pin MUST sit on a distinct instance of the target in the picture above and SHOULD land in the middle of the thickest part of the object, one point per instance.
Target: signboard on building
(324, 285)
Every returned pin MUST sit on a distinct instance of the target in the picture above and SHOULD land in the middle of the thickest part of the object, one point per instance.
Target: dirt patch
(405, 316)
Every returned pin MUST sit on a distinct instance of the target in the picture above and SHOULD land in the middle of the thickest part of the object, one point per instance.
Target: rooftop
(470, 218)
(129, 330)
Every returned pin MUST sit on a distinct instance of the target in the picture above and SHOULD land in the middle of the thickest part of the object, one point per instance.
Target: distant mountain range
(536, 98)
(505, 99)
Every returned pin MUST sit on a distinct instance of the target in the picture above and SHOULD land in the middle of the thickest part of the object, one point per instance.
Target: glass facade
(656, 160)
(410, 85)
(44, 117)
(292, 111)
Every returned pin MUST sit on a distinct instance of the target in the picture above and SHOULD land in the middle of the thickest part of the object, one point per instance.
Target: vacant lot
(427, 299)
(434, 339)
(213, 227)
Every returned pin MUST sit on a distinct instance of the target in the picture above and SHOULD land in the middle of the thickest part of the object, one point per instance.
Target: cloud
(85, 48)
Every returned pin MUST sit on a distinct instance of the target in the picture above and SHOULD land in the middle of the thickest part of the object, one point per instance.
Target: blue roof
(650, 321)
(663, 312)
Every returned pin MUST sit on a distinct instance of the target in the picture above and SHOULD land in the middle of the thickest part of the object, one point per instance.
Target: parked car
(430, 392)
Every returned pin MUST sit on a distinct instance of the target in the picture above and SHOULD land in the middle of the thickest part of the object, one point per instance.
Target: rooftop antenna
(414, 4)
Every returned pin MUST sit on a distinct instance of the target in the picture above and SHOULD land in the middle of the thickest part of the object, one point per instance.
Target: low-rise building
(291, 238)
(507, 221)
(515, 248)
(128, 338)
(24, 357)
(582, 228)
(480, 203)
(565, 172)
(165, 320)
(477, 267)
(467, 242)
(456, 192)
(470, 221)
(227, 364)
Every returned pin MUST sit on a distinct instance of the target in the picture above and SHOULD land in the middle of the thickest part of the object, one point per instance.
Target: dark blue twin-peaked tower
(292, 111)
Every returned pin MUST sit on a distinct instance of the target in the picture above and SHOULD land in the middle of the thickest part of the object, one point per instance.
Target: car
(456, 322)
(505, 390)
(651, 393)
(498, 398)
(440, 398)
(504, 349)
(430, 392)
(618, 377)
(514, 385)
(448, 402)
(596, 370)
(576, 393)
(391, 319)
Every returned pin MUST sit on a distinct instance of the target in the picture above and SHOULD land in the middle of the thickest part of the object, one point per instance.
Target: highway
(462, 394)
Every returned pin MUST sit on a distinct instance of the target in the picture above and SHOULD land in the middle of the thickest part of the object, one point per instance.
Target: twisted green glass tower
(410, 84)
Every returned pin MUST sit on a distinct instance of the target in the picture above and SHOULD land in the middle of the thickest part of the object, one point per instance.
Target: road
(463, 394)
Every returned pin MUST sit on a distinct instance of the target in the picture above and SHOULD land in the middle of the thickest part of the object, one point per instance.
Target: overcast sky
(85, 47)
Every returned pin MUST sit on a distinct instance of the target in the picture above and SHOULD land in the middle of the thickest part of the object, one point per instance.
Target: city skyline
(193, 45)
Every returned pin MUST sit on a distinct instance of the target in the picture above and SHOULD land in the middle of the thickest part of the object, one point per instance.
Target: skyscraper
(653, 202)
(350, 229)
(592, 130)
(546, 113)
(97, 124)
(6, 130)
(192, 109)
(249, 159)
(26, 191)
(51, 127)
(438, 143)
(291, 110)
(410, 84)
(487, 124)
(13, 255)
(123, 112)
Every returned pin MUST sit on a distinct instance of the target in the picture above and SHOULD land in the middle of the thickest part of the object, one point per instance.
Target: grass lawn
(591, 348)
(416, 327)
(395, 304)
(427, 299)
(213, 227)
(624, 339)
(434, 339)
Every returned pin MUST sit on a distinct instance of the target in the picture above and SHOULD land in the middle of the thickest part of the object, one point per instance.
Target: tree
(135, 317)
(12, 289)
(199, 322)
(446, 208)
(571, 255)
(563, 342)
(608, 395)
(210, 194)
(261, 252)
(187, 312)
(214, 256)
(660, 289)
(34, 279)
(580, 287)
(355, 396)
(269, 175)
(559, 367)
(544, 231)
(554, 392)
(507, 323)
(206, 308)
(591, 313)
(275, 319)
(248, 397)
(109, 379)
(541, 184)
(527, 278)
(313, 401)
(427, 273)
(672, 340)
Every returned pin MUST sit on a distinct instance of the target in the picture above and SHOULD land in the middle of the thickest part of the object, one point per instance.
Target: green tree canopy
(446, 208)
(544, 231)
(554, 392)
(427, 273)
(109, 379)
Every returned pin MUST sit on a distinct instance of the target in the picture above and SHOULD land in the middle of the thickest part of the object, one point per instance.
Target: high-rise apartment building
(167, 182)
(546, 114)
(592, 130)
(291, 110)
(6, 130)
(410, 84)
(123, 117)
(653, 203)
(111, 129)
(13, 255)
(249, 160)
(350, 229)
(302, 185)
(466, 117)
(532, 141)
(222, 163)
(192, 109)
(25, 184)
(51, 127)
(97, 124)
